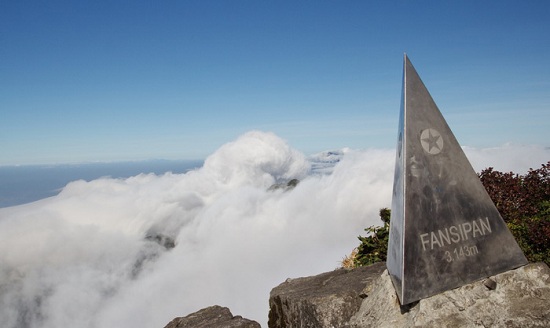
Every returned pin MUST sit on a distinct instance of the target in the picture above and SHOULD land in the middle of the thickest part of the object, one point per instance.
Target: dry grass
(348, 262)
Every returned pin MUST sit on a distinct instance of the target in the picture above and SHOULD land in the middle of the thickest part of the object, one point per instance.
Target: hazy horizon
(21, 184)
(48, 179)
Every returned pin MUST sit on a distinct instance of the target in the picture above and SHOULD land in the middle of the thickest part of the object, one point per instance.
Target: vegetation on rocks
(374, 247)
(522, 200)
(524, 203)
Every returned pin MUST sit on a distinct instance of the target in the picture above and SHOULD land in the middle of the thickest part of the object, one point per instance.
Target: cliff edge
(516, 298)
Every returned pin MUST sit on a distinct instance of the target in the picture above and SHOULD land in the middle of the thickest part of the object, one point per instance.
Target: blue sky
(131, 80)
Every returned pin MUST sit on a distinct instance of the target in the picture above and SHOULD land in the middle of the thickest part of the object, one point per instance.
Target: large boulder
(326, 300)
(516, 298)
(365, 297)
(212, 317)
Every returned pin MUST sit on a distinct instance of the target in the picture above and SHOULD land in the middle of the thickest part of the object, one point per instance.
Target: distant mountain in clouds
(324, 162)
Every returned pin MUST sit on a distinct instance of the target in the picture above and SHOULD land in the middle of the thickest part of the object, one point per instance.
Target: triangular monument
(445, 231)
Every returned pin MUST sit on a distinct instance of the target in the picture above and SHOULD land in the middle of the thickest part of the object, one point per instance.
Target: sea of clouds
(139, 251)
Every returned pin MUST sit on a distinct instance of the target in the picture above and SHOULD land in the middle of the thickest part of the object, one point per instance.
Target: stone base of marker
(516, 298)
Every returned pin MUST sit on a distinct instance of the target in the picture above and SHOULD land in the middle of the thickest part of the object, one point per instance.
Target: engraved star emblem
(431, 141)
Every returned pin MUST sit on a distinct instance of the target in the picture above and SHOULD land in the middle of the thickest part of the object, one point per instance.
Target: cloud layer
(139, 251)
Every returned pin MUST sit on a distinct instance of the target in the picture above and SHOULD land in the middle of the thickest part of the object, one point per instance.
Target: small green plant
(374, 246)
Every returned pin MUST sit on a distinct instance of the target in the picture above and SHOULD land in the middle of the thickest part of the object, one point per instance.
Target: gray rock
(284, 186)
(520, 298)
(326, 300)
(365, 297)
(212, 317)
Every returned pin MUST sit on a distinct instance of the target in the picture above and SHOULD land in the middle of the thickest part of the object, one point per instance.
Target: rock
(165, 241)
(284, 186)
(490, 283)
(520, 298)
(212, 317)
(365, 297)
(326, 300)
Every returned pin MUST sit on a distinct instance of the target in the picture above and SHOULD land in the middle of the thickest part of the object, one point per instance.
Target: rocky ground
(365, 297)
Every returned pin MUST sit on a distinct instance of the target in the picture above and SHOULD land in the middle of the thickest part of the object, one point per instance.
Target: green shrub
(524, 203)
(374, 247)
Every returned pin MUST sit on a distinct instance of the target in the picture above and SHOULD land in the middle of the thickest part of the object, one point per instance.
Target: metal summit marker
(445, 231)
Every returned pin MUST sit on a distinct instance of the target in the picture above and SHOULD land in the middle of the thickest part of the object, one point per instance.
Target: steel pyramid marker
(445, 231)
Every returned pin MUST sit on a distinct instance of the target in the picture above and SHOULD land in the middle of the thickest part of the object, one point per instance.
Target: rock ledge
(212, 317)
(365, 297)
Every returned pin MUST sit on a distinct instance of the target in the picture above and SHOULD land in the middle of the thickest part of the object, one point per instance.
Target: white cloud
(509, 157)
(82, 259)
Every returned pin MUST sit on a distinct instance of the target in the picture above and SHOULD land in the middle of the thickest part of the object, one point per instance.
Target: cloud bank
(140, 251)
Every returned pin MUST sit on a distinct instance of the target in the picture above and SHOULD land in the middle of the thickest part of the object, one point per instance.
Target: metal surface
(445, 231)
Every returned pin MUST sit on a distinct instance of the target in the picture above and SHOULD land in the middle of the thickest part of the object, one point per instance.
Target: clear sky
(131, 80)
